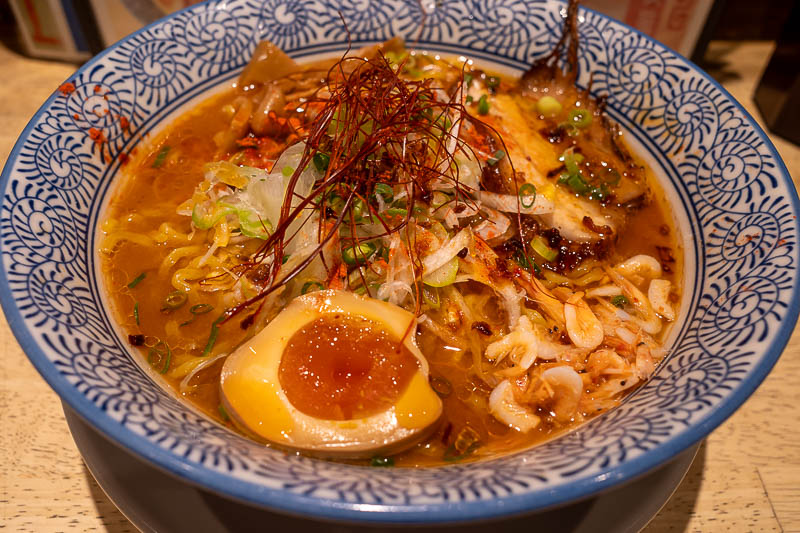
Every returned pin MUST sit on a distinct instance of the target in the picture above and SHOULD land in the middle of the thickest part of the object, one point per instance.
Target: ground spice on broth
(166, 171)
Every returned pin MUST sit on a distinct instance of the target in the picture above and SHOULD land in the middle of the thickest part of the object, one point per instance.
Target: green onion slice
(493, 82)
(385, 191)
(613, 177)
(580, 118)
(444, 275)
(311, 286)
(576, 183)
(541, 247)
(527, 195)
(201, 309)
(548, 106)
(212, 337)
(136, 312)
(358, 254)
(223, 413)
(137, 280)
(619, 301)
(431, 296)
(522, 259)
(496, 157)
(161, 157)
(321, 161)
(161, 351)
(287, 171)
(174, 300)
(381, 461)
(483, 105)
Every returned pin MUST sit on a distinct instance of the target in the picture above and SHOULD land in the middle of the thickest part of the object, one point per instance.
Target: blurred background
(78, 29)
(75, 30)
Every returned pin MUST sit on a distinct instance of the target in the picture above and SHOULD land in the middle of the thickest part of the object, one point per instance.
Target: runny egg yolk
(341, 367)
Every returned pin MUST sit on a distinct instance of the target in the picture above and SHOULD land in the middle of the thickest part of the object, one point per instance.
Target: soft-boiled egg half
(334, 374)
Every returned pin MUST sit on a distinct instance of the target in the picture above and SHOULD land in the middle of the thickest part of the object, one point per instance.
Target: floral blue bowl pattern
(730, 192)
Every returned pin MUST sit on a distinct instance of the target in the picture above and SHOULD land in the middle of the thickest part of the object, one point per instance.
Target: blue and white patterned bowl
(731, 195)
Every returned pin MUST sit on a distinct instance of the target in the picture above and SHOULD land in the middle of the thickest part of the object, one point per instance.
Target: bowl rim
(427, 513)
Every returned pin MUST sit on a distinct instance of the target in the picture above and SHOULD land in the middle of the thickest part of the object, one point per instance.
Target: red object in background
(645, 15)
(38, 31)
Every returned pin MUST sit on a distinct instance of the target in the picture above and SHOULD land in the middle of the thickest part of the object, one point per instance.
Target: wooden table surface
(746, 476)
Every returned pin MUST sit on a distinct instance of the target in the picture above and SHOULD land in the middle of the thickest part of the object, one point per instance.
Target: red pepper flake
(76, 116)
(123, 158)
(67, 88)
(248, 142)
(97, 88)
(124, 122)
(97, 136)
(336, 277)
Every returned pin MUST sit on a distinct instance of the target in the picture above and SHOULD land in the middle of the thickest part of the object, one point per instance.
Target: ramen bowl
(731, 197)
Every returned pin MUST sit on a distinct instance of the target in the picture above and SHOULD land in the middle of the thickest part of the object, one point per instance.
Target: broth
(146, 235)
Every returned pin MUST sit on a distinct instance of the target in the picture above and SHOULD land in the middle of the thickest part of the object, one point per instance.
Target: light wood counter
(746, 476)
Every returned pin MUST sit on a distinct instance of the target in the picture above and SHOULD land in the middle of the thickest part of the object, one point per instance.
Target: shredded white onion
(446, 252)
(513, 204)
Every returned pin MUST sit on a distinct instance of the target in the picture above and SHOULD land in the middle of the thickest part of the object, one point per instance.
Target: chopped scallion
(619, 301)
(174, 300)
(576, 183)
(137, 280)
(212, 337)
(384, 191)
(496, 157)
(136, 312)
(311, 286)
(161, 351)
(223, 413)
(382, 461)
(548, 106)
(358, 254)
(527, 195)
(492, 82)
(321, 161)
(483, 105)
(580, 118)
(287, 171)
(613, 177)
(201, 309)
(521, 259)
(541, 247)
(431, 296)
(161, 157)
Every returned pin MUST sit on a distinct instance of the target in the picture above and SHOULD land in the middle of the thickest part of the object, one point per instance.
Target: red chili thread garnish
(97, 88)
(374, 127)
(124, 123)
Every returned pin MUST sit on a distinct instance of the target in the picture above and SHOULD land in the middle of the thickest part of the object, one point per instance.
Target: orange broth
(148, 197)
